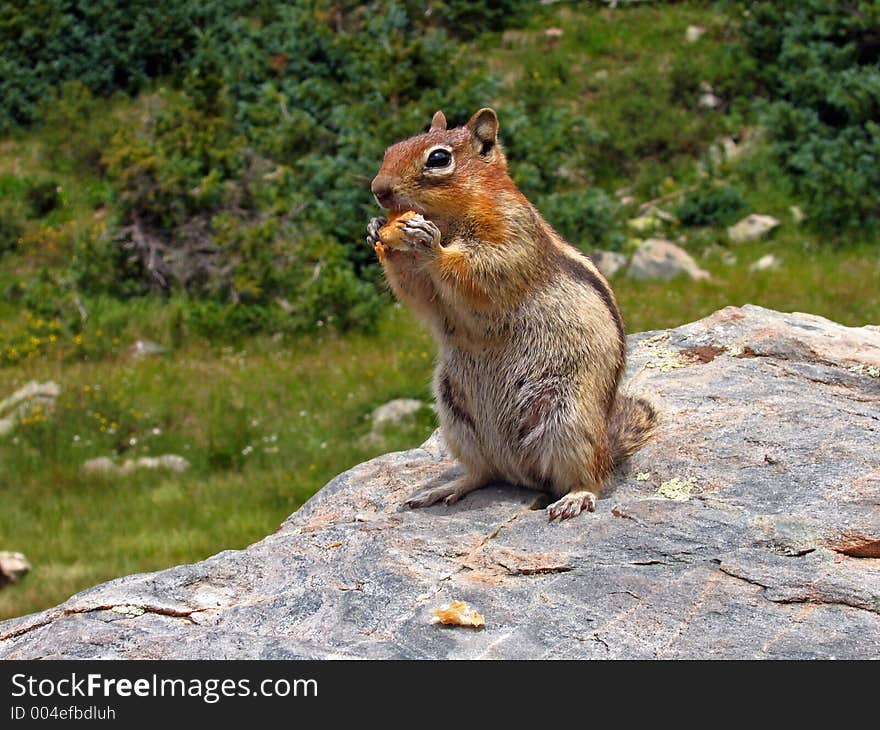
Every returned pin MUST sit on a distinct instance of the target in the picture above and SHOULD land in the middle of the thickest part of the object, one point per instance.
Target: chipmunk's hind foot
(571, 505)
(448, 493)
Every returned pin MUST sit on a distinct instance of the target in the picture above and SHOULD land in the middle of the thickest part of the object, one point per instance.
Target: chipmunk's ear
(438, 122)
(484, 127)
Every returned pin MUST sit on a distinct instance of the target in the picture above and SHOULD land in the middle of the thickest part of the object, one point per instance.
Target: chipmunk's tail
(633, 421)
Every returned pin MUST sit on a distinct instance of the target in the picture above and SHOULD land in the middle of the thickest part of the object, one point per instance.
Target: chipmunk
(531, 342)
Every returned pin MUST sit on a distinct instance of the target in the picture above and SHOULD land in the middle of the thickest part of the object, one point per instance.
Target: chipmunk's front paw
(419, 233)
(571, 505)
(373, 230)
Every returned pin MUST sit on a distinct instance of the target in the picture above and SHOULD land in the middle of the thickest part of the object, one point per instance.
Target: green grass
(264, 427)
(838, 284)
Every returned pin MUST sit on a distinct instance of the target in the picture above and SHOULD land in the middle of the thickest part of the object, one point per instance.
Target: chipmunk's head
(442, 172)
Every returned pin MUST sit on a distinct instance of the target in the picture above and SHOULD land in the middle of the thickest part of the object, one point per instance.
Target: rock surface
(395, 411)
(13, 567)
(106, 465)
(26, 400)
(608, 262)
(766, 543)
(694, 33)
(657, 258)
(768, 261)
(751, 228)
(708, 98)
(145, 348)
(724, 149)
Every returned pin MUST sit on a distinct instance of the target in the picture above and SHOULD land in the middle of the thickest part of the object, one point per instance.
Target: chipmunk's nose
(382, 191)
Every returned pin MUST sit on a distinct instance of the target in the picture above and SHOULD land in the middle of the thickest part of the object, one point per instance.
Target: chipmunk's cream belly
(529, 405)
(495, 421)
(476, 403)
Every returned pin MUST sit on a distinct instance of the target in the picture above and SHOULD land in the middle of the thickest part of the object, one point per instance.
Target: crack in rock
(132, 610)
(817, 597)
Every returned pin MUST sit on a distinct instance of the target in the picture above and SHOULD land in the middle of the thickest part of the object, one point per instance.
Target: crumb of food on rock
(458, 613)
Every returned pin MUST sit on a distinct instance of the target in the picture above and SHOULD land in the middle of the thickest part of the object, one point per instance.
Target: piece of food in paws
(380, 251)
(391, 234)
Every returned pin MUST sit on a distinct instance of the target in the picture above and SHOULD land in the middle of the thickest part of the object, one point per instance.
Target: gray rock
(106, 465)
(765, 545)
(395, 411)
(751, 228)
(657, 258)
(644, 223)
(145, 348)
(724, 149)
(172, 462)
(709, 101)
(23, 402)
(608, 262)
(765, 262)
(663, 215)
(708, 98)
(694, 33)
(13, 567)
(100, 465)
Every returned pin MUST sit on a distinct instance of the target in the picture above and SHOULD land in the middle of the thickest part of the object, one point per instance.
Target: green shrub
(251, 184)
(11, 228)
(650, 121)
(42, 198)
(588, 218)
(76, 128)
(27, 337)
(51, 297)
(329, 293)
(242, 184)
(819, 63)
(470, 19)
(224, 322)
(711, 205)
(102, 265)
(106, 45)
(551, 149)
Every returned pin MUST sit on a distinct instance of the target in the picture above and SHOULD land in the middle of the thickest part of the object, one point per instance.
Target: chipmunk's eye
(439, 158)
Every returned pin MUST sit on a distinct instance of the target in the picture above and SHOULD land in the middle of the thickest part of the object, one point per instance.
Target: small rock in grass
(751, 228)
(25, 400)
(100, 465)
(694, 33)
(13, 567)
(708, 98)
(395, 411)
(144, 348)
(106, 465)
(660, 259)
(765, 262)
(608, 262)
